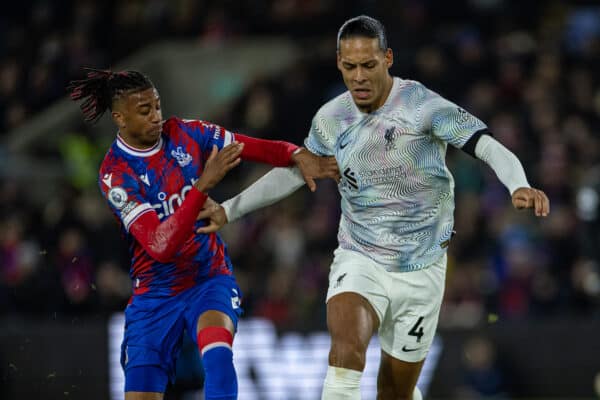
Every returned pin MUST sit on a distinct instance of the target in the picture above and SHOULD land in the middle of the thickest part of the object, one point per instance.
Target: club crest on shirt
(390, 137)
(118, 197)
(182, 157)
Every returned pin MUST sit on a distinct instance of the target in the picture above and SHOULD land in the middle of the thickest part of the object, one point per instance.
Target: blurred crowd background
(528, 69)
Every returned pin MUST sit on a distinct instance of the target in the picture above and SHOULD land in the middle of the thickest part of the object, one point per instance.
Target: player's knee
(217, 358)
(347, 354)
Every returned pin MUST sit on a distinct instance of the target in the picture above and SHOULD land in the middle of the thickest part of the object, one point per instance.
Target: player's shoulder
(408, 87)
(175, 125)
(114, 163)
(336, 115)
(411, 95)
(176, 122)
(336, 107)
(112, 160)
(172, 123)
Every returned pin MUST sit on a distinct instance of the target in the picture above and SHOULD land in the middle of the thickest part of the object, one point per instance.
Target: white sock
(417, 394)
(341, 384)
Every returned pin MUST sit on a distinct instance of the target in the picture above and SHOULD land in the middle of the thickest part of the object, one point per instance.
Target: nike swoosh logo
(404, 348)
(342, 145)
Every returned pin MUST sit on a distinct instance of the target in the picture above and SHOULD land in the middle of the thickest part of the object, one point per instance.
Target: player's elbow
(161, 253)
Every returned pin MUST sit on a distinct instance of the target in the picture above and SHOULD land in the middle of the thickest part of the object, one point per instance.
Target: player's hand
(218, 164)
(314, 167)
(215, 214)
(531, 198)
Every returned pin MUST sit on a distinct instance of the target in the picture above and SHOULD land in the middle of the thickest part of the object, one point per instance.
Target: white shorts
(407, 303)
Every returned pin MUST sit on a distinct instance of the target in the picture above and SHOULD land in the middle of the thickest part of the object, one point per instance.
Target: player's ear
(338, 58)
(118, 108)
(389, 57)
(118, 118)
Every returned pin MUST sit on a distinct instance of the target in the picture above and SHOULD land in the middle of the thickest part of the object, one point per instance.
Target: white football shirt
(397, 193)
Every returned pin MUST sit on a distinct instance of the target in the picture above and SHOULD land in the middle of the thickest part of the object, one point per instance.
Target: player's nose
(359, 75)
(156, 117)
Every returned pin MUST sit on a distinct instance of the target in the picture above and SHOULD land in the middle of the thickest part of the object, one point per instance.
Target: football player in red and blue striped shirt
(155, 177)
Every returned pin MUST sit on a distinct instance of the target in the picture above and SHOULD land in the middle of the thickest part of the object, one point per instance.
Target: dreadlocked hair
(101, 87)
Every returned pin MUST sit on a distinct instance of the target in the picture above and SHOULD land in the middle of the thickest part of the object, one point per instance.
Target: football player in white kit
(389, 137)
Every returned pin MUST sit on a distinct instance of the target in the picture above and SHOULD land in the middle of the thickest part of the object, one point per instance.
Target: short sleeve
(319, 140)
(122, 192)
(447, 121)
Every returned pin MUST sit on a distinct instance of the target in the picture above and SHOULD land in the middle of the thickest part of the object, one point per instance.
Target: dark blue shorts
(154, 328)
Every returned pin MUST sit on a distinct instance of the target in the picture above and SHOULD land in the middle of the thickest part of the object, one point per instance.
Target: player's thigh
(356, 299)
(215, 302)
(151, 343)
(397, 379)
(143, 396)
(408, 330)
(352, 322)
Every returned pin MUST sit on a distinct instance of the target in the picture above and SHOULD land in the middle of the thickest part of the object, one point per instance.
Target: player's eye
(370, 65)
(348, 66)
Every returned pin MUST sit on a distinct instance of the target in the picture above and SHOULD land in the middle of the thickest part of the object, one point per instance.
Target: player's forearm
(274, 152)
(162, 240)
(505, 164)
(272, 187)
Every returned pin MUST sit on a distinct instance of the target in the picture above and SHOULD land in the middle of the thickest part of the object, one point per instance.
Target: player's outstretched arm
(509, 170)
(270, 188)
(279, 153)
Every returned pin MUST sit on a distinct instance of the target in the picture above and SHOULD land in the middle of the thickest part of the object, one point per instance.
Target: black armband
(469, 146)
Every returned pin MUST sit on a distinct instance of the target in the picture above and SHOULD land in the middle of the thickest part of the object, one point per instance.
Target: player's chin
(153, 134)
(364, 104)
(362, 101)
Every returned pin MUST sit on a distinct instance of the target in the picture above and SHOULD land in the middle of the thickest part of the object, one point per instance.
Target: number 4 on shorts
(417, 330)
